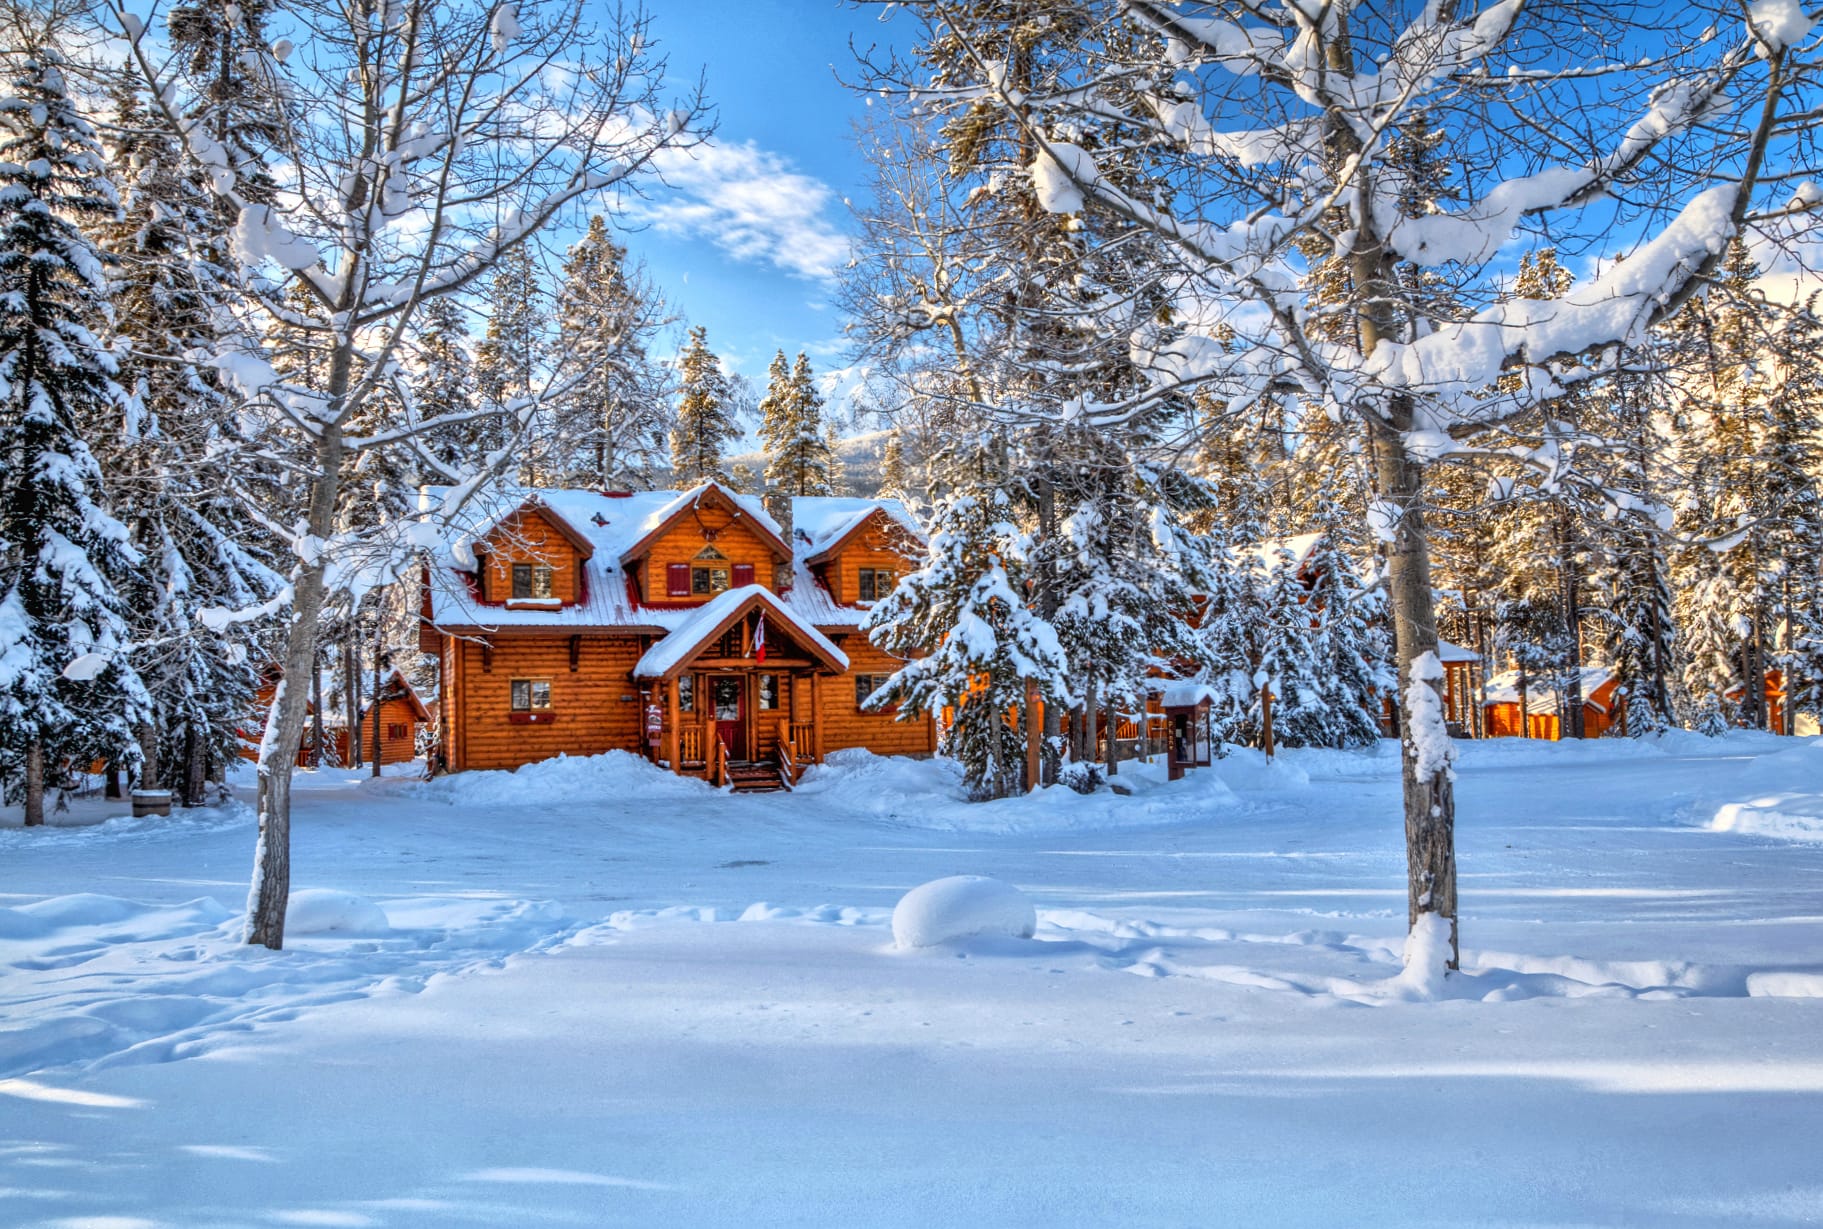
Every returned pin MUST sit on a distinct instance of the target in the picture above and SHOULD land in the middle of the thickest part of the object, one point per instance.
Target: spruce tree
(705, 416)
(967, 601)
(165, 467)
(510, 359)
(609, 430)
(68, 691)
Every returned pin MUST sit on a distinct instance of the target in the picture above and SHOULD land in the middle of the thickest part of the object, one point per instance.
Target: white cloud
(750, 203)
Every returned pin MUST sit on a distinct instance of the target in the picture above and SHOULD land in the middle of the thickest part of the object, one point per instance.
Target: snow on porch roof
(1450, 654)
(712, 618)
(1186, 695)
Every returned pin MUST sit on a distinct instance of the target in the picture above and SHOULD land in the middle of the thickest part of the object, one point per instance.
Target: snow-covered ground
(590, 994)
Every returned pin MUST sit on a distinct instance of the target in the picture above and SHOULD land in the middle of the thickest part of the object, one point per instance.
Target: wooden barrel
(151, 802)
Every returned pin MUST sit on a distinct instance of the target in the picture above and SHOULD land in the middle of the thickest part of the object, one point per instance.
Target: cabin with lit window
(687, 627)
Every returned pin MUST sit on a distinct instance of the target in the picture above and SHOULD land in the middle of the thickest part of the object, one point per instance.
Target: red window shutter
(743, 574)
(677, 579)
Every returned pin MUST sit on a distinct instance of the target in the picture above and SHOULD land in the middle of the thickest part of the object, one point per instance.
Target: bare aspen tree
(423, 142)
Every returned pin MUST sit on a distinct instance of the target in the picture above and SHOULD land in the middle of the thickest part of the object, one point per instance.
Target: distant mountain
(860, 461)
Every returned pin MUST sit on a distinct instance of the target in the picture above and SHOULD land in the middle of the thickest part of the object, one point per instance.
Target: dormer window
(531, 581)
(709, 572)
(876, 584)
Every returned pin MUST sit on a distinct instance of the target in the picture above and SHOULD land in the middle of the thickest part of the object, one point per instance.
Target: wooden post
(1034, 731)
(1266, 720)
(816, 718)
(673, 726)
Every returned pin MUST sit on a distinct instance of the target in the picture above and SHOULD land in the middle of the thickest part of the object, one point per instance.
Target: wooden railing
(788, 755)
(690, 744)
(717, 768)
(803, 739)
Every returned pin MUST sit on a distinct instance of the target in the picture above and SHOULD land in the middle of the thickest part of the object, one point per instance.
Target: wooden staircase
(754, 776)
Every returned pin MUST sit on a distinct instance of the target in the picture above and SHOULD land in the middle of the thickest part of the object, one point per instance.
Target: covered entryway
(739, 687)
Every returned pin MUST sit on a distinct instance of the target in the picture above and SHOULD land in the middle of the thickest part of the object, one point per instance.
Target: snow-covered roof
(1504, 689)
(1298, 547)
(1450, 654)
(1186, 695)
(706, 622)
(820, 521)
(406, 692)
(614, 525)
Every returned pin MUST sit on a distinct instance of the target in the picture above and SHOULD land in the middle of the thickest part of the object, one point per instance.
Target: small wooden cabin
(403, 717)
(688, 627)
(1543, 706)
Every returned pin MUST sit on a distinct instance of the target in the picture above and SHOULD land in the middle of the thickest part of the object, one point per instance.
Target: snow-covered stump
(962, 907)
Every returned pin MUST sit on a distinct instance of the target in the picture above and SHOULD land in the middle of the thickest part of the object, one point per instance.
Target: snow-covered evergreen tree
(705, 423)
(510, 361)
(611, 426)
(167, 468)
(965, 605)
(799, 457)
(68, 689)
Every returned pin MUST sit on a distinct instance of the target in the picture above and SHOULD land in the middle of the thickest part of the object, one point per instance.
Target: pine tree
(705, 416)
(510, 359)
(609, 432)
(444, 384)
(67, 687)
(165, 467)
(895, 474)
(965, 600)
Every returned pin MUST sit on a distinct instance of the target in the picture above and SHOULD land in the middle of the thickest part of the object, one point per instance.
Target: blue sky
(748, 237)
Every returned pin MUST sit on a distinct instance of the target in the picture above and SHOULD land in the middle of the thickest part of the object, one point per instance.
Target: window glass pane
(699, 580)
(541, 582)
(686, 693)
(864, 687)
(522, 693)
(522, 580)
(718, 579)
(541, 695)
(727, 695)
(769, 691)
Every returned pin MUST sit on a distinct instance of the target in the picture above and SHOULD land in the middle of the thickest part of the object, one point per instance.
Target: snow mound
(1791, 817)
(1245, 768)
(962, 907)
(612, 774)
(317, 911)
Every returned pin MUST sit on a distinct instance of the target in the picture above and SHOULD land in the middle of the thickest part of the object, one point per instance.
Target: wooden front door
(728, 702)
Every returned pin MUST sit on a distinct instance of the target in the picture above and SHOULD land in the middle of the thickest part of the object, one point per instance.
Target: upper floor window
(531, 580)
(709, 572)
(876, 584)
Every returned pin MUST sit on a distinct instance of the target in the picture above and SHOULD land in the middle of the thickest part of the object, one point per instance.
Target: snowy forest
(1510, 305)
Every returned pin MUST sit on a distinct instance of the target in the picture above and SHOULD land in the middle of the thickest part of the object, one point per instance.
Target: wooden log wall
(528, 537)
(594, 707)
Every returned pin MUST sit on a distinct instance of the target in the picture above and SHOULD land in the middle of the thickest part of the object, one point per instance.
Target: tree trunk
(351, 690)
(290, 706)
(1430, 804)
(149, 776)
(34, 784)
(1572, 617)
(1085, 729)
(111, 790)
(196, 768)
(1111, 716)
(316, 709)
(377, 687)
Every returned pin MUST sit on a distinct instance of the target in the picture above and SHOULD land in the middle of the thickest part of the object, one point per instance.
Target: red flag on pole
(759, 639)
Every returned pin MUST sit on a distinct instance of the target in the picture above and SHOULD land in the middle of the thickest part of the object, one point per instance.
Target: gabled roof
(406, 692)
(550, 516)
(614, 524)
(712, 493)
(710, 620)
(823, 525)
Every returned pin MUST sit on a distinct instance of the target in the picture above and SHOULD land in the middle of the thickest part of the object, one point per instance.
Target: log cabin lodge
(687, 627)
